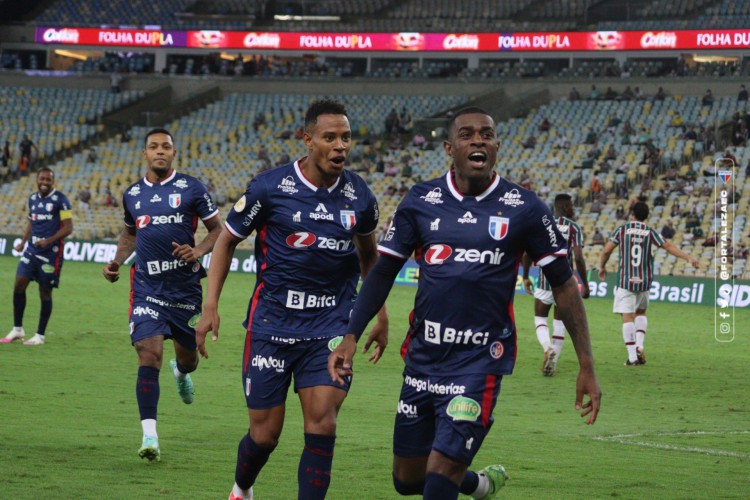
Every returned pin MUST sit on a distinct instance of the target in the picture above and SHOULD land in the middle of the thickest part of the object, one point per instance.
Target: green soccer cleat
(150, 449)
(497, 476)
(185, 387)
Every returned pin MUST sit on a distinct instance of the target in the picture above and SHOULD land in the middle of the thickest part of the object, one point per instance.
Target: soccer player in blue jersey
(637, 243)
(50, 221)
(315, 226)
(161, 215)
(468, 230)
(543, 298)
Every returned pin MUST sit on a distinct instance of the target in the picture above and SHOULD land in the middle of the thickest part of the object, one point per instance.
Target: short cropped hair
(322, 107)
(471, 110)
(156, 131)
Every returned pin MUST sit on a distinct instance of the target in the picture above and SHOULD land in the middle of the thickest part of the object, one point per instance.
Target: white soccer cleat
(550, 362)
(234, 496)
(35, 340)
(13, 335)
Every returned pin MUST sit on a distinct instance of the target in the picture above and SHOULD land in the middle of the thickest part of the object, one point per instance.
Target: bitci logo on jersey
(300, 239)
(437, 254)
(142, 221)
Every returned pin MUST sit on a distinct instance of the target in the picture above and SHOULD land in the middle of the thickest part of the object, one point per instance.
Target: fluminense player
(543, 299)
(468, 230)
(161, 215)
(50, 221)
(637, 243)
(315, 226)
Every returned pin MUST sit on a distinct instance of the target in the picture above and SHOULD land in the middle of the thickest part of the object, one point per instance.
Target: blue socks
(44, 316)
(314, 472)
(439, 487)
(147, 391)
(250, 460)
(19, 306)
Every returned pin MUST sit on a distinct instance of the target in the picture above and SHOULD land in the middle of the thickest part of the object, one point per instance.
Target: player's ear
(448, 148)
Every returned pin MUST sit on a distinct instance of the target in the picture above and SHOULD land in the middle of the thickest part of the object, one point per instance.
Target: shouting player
(315, 226)
(543, 298)
(161, 215)
(50, 220)
(468, 230)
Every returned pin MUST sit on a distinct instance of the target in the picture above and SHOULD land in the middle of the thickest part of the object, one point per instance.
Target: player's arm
(221, 259)
(24, 237)
(606, 254)
(573, 314)
(677, 252)
(368, 255)
(125, 248)
(582, 271)
(191, 254)
(527, 284)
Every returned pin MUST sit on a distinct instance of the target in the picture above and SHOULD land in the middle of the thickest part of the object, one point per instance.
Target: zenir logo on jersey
(498, 227)
(348, 219)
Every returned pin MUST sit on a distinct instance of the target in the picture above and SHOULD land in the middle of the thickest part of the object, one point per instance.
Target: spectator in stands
(611, 153)
(418, 141)
(741, 252)
(594, 94)
(710, 241)
(407, 170)
(690, 135)
(29, 152)
(591, 137)
(743, 95)
(530, 142)
(596, 206)
(597, 238)
(574, 95)
(596, 184)
(728, 159)
(708, 98)
(545, 125)
(610, 94)
(678, 121)
(620, 213)
(84, 199)
(7, 155)
(562, 141)
(577, 181)
(660, 94)
(115, 79)
(692, 219)
(406, 122)
(627, 94)
(391, 122)
(544, 190)
(638, 93)
(660, 199)
(390, 170)
(668, 230)
(92, 156)
(621, 191)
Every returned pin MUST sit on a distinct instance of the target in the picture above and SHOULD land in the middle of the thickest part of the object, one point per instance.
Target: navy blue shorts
(268, 367)
(449, 414)
(158, 317)
(43, 268)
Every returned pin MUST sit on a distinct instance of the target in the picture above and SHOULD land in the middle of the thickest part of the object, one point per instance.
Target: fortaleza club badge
(175, 200)
(498, 227)
(463, 408)
(348, 219)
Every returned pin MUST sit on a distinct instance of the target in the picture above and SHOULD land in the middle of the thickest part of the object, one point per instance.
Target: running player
(315, 226)
(543, 298)
(50, 221)
(468, 230)
(635, 273)
(161, 216)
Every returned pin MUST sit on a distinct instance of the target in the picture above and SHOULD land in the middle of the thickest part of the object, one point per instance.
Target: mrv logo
(262, 362)
(434, 333)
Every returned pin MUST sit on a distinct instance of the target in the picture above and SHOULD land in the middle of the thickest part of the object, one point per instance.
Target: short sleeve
(371, 214)
(247, 213)
(543, 241)
(401, 238)
(204, 204)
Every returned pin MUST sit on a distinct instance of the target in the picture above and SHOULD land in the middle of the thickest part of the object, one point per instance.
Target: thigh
(641, 302)
(320, 407)
(182, 323)
(310, 366)
(266, 373)
(414, 427)
(266, 425)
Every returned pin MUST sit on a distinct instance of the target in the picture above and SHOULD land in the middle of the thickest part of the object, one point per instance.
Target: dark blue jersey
(468, 249)
(46, 214)
(163, 213)
(308, 266)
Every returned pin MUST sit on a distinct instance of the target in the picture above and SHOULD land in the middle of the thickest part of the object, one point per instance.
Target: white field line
(632, 439)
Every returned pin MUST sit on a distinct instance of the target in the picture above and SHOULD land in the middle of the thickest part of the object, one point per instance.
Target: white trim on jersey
(310, 184)
(457, 195)
(150, 184)
(214, 213)
(235, 233)
(390, 252)
(549, 258)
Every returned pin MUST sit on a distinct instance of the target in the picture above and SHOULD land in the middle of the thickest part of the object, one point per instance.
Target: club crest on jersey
(499, 227)
(348, 219)
(174, 200)
(49, 207)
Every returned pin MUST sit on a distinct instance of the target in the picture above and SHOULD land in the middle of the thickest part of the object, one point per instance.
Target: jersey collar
(309, 184)
(50, 193)
(151, 184)
(457, 194)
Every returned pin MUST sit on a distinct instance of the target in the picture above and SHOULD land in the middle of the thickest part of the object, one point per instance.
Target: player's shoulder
(184, 181)
(431, 191)
(513, 195)
(135, 188)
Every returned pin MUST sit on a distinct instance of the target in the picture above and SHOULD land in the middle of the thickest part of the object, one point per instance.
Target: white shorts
(545, 296)
(627, 302)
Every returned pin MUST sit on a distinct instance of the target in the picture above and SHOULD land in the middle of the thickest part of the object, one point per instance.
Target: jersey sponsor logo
(467, 218)
(209, 202)
(42, 216)
(321, 213)
(262, 362)
(247, 386)
(193, 321)
(288, 185)
(161, 266)
(145, 311)
(637, 232)
(174, 200)
(144, 220)
(552, 236)
(169, 303)
(303, 300)
(54, 197)
(498, 227)
(410, 411)
(421, 385)
(463, 408)
(435, 225)
(439, 253)
(512, 198)
(348, 219)
(434, 333)
(155, 199)
(180, 183)
(348, 191)
(334, 342)
(48, 268)
(135, 190)
(297, 216)
(240, 205)
(138, 205)
(300, 239)
(496, 350)
(248, 220)
(25, 259)
(434, 197)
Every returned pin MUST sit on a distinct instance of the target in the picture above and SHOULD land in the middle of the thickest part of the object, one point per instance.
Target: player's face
(159, 154)
(473, 145)
(328, 143)
(45, 181)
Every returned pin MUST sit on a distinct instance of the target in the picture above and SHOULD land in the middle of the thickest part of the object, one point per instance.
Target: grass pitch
(678, 427)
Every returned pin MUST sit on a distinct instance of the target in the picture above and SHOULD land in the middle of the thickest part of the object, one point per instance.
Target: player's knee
(405, 488)
(265, 440)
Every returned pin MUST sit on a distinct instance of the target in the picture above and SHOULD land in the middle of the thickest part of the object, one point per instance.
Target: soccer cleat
(641, 355)
(234, 496)
(35, 340)
(150, 449)
(13, 335)
(185, 387)
(633, 363)
(550, 361)
(497, 476)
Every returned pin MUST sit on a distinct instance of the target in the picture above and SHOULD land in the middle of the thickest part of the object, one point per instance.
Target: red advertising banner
(405, 41)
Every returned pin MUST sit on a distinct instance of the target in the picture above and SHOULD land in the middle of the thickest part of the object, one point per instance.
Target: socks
(314, 472)
(250, 460)
(19, 306)
(558, 336)
(542, 331)
(439, 487)
(147, 391)
(407, 489)
(641, 323)
(180, 371)
(44, 316)
(628, 335)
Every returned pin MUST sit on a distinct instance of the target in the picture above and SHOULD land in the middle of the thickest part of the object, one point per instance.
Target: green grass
(678, 427)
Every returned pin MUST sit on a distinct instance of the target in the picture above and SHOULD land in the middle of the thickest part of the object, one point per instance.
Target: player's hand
(586, 291)
(41, 243)
(340, 360)
(588, 385)
(111, 271)
(695, 262)
(209, 322)
(185, 252)
(19, 247)
(379, 335)
(602, 274)
(528, 286)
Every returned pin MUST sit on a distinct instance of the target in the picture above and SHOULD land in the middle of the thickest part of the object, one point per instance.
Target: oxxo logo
(434, 333)
(410, 411)
(439, 253)
(463, 408)
(262, 362)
